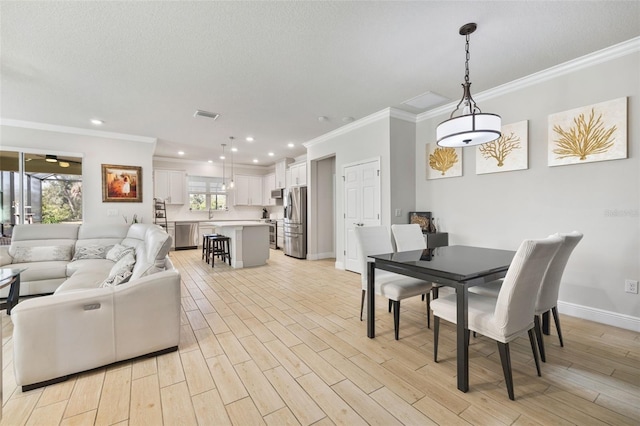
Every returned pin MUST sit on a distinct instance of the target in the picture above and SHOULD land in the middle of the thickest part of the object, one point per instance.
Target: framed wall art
(592, 133)
(508, 152)
(443, 162)
(121, 183)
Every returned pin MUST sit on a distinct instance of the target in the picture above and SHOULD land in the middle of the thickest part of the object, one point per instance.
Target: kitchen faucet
(210, 213)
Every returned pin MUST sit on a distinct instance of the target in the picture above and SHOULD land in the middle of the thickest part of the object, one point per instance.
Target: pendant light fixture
(223, 158)
(473, 127)
(232, 183)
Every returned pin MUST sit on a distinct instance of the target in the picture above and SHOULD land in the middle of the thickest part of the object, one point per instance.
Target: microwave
(276, 193)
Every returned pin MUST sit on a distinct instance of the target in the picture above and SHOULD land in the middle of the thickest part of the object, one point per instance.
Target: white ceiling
(270, 69)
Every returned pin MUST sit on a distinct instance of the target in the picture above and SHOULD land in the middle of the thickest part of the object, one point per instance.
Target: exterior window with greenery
(39, 188)
(205, 193)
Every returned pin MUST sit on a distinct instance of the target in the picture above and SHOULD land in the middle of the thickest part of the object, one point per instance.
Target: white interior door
(361, 206)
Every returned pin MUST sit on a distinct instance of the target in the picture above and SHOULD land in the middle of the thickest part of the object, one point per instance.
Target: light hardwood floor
(282, 344)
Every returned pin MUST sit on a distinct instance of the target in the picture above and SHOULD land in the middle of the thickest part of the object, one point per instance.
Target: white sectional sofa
(87, 323)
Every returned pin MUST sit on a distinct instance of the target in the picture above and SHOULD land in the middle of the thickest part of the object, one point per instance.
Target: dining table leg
(371, 300)
(462, 337)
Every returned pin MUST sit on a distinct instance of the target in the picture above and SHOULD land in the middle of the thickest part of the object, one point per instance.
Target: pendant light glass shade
(473, 127)
(224, 174)
(232, 183)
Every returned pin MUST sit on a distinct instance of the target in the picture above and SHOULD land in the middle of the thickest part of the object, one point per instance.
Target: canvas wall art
(508, 152)
(121, 183)
(443, 162)
(592, 133)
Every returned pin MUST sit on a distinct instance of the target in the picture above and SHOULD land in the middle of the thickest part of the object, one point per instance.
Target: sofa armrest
(57, 335)
(62, 334)
(5, 257)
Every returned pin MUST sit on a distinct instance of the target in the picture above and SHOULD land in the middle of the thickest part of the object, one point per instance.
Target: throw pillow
(119, 251)
(41, 254)
(121, 271)
(91, 252)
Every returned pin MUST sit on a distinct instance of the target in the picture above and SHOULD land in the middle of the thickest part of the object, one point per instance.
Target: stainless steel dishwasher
(186, 235)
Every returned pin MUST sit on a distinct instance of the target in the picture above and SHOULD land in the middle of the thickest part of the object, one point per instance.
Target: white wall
(403, 174)
(366, 139)
(500, 210)
(322, 202)
(95, 151)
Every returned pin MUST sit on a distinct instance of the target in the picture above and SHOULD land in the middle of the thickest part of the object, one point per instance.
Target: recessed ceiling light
(322, 118)
(180, 152)
(234, 149)
(209, 161)
(64, 164)
(271, 154)
(249, 139)
(290, 144)
(347, 119)
(96, 122)
(255, 160)
(222, 157)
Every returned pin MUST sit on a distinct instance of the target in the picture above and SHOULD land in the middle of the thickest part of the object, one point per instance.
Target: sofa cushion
(35, 271)
(41, 253)
(97, 264)
(89, 276)
(118, 251)
(120, 272)
(91, 252)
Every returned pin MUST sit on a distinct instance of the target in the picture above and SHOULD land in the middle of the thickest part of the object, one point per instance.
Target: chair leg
(428, 297)
(538, 329)
(532, 340)
(390, 304)
(362, 303)
(396, 318)
(505, 358)
(436, 329)
(556, 318)
(434, 290)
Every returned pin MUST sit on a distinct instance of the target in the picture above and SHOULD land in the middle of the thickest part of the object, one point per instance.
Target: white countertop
(236, 223)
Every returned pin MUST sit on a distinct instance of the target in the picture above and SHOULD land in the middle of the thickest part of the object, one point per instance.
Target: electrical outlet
(398, 212)
(631, 286)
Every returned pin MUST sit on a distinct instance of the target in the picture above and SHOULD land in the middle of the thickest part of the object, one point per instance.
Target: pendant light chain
(466, 62)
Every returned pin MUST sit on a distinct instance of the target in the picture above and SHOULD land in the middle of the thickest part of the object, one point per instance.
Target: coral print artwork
(507, 153)
(443, 162)
(121, 183)
(593, 133)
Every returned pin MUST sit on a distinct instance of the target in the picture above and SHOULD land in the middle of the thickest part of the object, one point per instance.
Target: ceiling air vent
(206, 114)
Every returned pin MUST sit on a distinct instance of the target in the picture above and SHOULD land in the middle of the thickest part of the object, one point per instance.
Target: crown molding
(385, 113)
(74, 130)
(607, 54)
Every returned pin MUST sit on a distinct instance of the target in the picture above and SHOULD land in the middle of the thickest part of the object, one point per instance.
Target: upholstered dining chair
(410, 237)
(508, 316)
(376, 240)
(547, 299)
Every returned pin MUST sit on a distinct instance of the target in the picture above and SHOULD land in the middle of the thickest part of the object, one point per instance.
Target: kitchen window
(205, 193)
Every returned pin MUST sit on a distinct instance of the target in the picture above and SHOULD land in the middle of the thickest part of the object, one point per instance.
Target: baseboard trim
(318, 256)
(339, 265)
(600, 315)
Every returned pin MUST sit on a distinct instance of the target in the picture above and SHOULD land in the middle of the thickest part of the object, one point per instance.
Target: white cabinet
(298, 174)
(280, 176)
(202, 230)
(170, 186)
(268, 185)
(248, 190)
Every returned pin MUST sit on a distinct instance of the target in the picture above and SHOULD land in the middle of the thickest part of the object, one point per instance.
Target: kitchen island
(249, 241)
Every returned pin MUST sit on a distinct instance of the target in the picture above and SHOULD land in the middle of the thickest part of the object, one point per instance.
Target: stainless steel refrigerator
(295, 222)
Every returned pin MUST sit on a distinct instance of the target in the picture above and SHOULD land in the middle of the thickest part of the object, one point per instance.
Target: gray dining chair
(410, 237)
(547, 298)
(508, 316)
(376, 240)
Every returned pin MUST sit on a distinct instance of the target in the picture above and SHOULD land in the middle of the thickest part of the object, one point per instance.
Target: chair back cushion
(371, 240)
(548, 294)
(516, 300)
(408, 237)
(43, 242)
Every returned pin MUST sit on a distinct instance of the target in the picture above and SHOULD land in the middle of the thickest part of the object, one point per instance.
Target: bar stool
(220, 246)
(206, 246)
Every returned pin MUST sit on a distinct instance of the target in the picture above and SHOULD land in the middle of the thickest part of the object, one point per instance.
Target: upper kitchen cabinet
(268, 185)
(298, 174)
(248, 191)
(281, 171)
(170, 186)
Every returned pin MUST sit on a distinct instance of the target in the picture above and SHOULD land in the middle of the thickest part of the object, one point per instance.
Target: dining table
(459, 267)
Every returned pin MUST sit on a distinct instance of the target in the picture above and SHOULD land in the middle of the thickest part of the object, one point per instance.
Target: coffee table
(11, 277)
